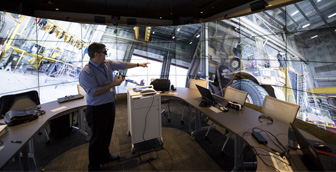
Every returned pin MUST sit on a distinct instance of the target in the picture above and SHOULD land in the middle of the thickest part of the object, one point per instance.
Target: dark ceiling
(153, 9)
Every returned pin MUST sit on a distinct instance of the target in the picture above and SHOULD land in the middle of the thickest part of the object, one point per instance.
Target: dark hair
(95, 47)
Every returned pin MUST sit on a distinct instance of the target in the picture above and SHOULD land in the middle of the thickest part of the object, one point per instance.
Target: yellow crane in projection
(35, 57)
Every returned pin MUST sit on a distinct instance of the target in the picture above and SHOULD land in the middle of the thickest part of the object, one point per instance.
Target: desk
(24, 132)
(239, 122)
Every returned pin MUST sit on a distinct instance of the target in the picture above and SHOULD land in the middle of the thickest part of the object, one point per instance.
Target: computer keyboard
(218, 99)
(280, 163)
(69, 98)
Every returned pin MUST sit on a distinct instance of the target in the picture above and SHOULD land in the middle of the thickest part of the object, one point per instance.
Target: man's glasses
(105, 52)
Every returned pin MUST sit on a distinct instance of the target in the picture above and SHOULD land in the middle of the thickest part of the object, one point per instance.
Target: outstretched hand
(144, 64)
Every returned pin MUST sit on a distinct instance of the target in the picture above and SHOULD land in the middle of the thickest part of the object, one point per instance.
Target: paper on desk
(58, 109)
(172, 93)
(214, 109)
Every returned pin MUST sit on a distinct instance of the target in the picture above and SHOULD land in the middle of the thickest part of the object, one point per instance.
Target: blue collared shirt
(93, 76)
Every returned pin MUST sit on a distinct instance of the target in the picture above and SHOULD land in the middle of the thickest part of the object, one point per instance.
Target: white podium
(144, 115)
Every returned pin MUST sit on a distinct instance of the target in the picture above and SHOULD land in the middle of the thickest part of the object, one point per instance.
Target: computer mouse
(322, 147)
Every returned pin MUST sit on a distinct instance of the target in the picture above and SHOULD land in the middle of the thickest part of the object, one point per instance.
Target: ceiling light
(294, 13)
(201, 12)
(306, 25)
(198, 35)
(160, 17)
(56, 9)
(332, 15)
(314, 36)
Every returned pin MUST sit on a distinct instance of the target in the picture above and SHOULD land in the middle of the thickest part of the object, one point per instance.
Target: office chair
(21, 101)
(280, 110)
(202, 83)
(81, 90)
(192, 85)
(234, 95)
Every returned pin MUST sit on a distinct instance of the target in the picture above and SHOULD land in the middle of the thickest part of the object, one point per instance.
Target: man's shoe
(112, 157)
(95, 167)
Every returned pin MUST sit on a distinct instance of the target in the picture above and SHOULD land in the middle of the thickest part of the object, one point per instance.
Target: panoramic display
(287, 53)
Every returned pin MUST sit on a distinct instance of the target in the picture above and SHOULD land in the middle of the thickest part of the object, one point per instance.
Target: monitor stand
(206, 103)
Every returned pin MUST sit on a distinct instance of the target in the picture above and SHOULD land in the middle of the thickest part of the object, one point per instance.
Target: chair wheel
(182, 122)
(168, 120)
(47, 142)
(206, 138)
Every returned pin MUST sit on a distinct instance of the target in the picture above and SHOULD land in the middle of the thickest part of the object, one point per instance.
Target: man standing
(98, 81)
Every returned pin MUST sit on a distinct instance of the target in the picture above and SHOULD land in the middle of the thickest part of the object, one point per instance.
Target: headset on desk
(234, 105)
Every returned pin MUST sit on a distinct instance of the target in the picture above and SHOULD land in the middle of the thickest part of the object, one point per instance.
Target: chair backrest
(19, 101)
(202, 83)
(81, 90)
(234, 95)
(279, 109)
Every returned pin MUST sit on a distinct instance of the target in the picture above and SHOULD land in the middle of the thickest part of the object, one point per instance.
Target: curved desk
(24, 132)
(238, 122)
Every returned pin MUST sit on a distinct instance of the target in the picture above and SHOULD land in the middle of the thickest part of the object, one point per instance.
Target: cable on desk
(285, 150)
(259, 155)
(277, 143)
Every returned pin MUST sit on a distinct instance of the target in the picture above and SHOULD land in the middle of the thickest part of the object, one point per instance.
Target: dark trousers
(101, 121)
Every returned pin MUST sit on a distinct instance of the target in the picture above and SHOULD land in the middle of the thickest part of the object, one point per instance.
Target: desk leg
(81, 124)
(25, 164)
(195, 119)
(190, 118)
(31, 153)
(238, 148)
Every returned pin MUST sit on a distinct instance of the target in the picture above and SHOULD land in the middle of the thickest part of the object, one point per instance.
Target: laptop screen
(310, 157)
(206, 94)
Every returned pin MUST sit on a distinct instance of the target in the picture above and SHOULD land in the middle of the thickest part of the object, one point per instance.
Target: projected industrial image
(288, 53)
